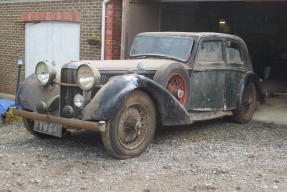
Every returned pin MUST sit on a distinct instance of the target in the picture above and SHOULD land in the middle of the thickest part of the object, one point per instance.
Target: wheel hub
(180, 93)
(138, 128)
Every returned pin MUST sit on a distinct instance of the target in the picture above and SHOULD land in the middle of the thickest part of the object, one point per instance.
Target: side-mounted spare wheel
(132, 130)
(174, 77)
(245, 111)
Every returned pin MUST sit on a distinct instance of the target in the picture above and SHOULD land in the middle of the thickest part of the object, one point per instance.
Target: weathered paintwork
(32, 92)
(215, 88)
(107, 102)
(218, 85)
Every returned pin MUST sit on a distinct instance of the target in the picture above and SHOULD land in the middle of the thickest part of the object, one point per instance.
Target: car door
(208, 76)
(235, 69)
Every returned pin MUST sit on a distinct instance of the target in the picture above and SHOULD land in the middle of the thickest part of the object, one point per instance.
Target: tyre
(132, 130)
(175, 79)
(248, 105)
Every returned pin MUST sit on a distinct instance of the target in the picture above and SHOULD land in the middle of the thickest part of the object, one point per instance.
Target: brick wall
(113, 30)
(12, 33)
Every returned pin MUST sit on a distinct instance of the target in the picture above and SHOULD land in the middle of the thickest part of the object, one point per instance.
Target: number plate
(48, 128)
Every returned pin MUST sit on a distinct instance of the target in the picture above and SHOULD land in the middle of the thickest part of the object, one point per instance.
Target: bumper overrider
(88, 125)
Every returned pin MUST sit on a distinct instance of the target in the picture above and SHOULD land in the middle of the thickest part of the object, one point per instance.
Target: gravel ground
(209, 156)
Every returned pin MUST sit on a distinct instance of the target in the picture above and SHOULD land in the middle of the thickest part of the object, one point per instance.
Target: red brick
(51, 16)
(113, 30)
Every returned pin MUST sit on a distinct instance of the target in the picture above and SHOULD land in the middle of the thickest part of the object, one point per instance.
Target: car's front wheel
(132, 130)
(248, 105)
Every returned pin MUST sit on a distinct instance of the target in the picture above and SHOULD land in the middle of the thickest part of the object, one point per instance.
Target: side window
(210, 51)
(233, 54)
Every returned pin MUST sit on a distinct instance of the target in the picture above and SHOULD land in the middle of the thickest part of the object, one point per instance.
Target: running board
(207, 115)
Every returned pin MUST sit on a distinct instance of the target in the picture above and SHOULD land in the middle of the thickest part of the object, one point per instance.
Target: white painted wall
(56, 42)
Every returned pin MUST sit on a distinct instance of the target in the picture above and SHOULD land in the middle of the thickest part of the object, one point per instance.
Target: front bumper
(88, 125)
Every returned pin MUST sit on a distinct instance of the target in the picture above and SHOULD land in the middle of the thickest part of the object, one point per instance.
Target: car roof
(197, 35)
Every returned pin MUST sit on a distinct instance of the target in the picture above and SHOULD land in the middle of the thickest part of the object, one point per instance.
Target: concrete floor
(275, 109)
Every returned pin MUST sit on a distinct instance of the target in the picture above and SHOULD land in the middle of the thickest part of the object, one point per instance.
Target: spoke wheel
(177, 86)
(248, 105)
(133, 126)
(131, 131)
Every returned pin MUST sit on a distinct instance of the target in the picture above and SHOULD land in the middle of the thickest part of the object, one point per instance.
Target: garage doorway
(262, 25)
(55, 42)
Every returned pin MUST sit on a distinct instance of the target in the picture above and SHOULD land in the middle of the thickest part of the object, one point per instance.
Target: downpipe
(104, 10)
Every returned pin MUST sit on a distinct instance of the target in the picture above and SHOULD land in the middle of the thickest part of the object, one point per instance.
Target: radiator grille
(68, 93)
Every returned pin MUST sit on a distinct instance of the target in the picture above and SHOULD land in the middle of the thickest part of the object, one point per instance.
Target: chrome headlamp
(45, 72)
(88, 77)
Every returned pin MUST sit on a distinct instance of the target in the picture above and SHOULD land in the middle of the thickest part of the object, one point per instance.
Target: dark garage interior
(263, 26)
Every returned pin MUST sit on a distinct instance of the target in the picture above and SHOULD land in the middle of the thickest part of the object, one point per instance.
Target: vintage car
(170, 79)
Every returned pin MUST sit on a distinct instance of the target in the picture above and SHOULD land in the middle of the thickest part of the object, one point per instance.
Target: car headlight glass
(45, 73)
(79, 100)
(88, 77)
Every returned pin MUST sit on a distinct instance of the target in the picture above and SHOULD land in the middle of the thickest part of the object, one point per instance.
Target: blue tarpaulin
(5, 105)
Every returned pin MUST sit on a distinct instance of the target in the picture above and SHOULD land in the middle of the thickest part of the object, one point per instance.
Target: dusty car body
(171, 78)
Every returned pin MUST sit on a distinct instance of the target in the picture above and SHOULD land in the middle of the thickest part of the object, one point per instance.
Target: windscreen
(178, 48)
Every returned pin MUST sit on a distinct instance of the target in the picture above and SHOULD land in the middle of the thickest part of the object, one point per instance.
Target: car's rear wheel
(132, 130)
(248, 105)
(175, 79)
